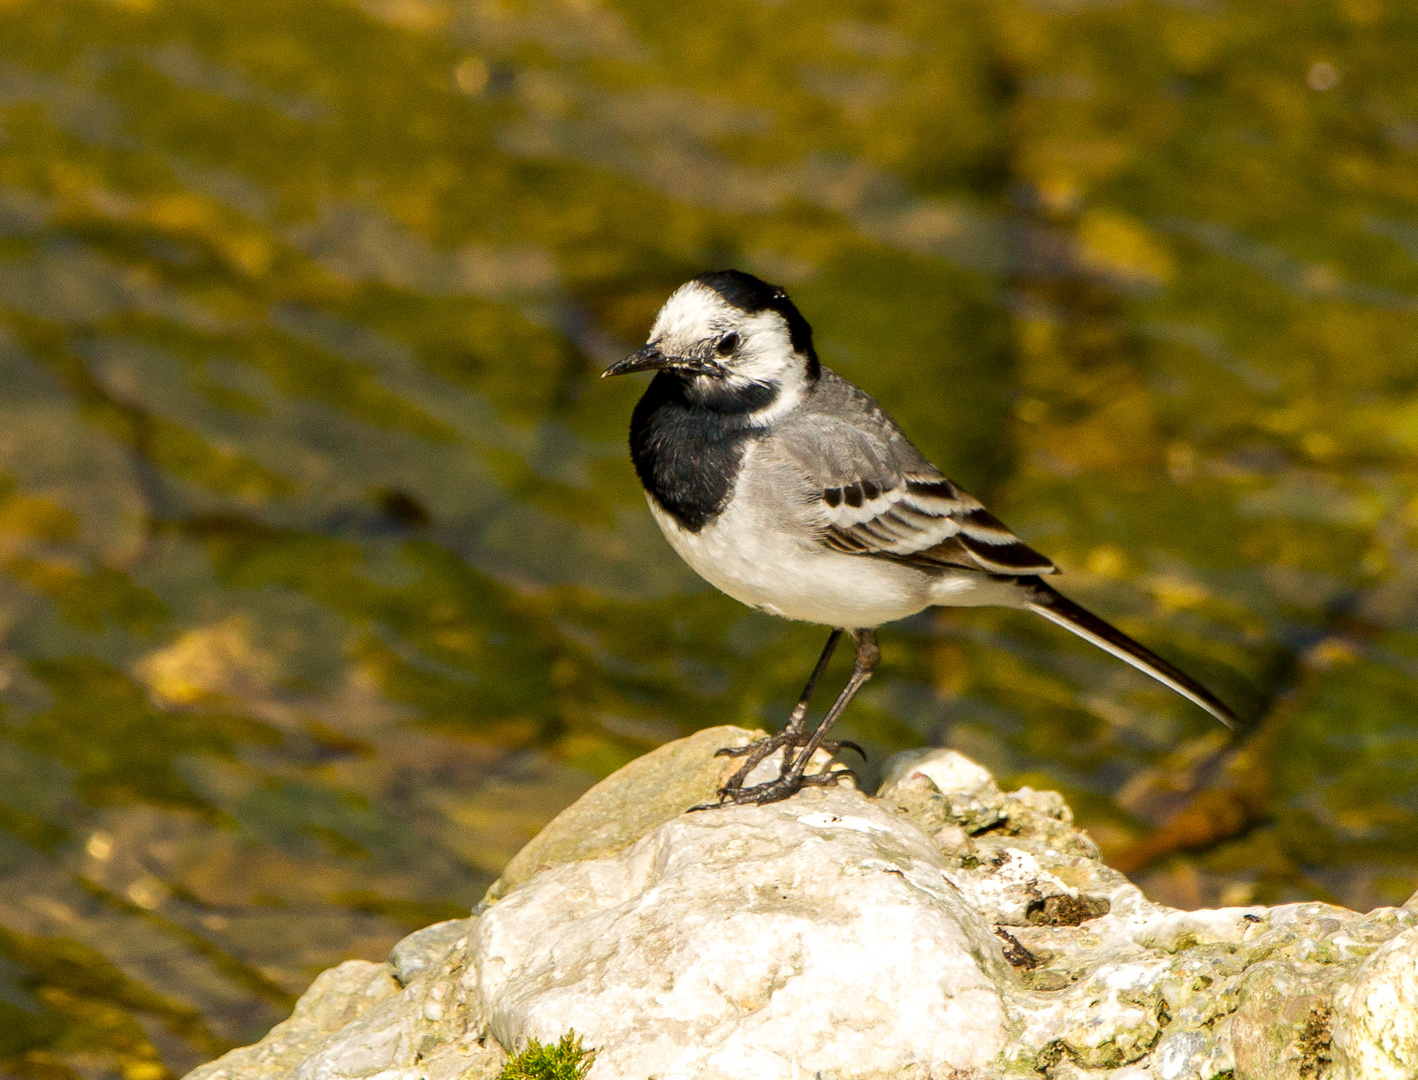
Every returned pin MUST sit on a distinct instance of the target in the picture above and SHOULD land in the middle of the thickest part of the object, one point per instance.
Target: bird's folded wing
(874, 493)
(925, 520)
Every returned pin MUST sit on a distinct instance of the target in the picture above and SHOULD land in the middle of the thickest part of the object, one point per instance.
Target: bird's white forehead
(693, 311)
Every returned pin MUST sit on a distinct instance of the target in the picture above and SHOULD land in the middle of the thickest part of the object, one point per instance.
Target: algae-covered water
(324, 576)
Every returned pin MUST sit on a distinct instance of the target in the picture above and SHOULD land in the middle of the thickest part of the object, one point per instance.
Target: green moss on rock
(566, 1060)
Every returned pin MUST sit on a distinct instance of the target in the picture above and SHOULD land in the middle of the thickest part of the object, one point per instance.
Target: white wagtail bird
(791, 490)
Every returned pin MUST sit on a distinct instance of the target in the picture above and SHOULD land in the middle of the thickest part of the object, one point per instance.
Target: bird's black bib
(687, 441)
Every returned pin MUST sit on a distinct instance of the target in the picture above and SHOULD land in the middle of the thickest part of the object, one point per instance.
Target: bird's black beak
(650, 358)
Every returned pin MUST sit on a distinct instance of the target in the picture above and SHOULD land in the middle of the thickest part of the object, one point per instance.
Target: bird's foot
(776, 790)
(787, 740)
(832, 746)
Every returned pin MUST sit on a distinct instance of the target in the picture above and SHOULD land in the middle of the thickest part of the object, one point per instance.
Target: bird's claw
(775, 790)
(756, 751)
(788, 739)
(831, 777)
(836, 746)
(738, 751)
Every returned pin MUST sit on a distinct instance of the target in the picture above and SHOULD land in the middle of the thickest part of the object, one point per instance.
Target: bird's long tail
(1057, 608)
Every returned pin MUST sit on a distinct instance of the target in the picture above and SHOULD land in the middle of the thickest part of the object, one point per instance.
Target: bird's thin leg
(792, 779)
(798, 719)
(791, 735)
(868, 656)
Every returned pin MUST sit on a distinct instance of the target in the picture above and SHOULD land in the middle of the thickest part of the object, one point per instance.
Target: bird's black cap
(751, 294)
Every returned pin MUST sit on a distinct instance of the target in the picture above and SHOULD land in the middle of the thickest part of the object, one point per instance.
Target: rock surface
(943, 929)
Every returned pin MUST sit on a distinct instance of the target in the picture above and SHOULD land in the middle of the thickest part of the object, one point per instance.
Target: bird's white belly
(766, 567)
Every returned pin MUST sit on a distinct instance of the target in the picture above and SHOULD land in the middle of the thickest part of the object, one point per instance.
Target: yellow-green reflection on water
(324, 578)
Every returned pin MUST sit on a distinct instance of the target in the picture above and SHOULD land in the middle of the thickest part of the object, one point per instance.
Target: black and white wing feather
(873, 493)
(925, 520)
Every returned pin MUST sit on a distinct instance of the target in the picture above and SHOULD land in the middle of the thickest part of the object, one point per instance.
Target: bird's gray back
(838, 434)
(855, 484)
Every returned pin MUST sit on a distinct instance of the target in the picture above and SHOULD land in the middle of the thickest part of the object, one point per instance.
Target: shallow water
(324, 576)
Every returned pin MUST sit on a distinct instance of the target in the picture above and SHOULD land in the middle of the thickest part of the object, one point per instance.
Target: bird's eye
(727, 344)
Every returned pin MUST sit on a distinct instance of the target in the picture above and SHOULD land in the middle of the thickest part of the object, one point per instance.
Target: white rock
(337, 998)
(1179, 1056)
(814, 937)
(953, 773)
(1010, 886)
(927, 933)
(1376, 1013)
